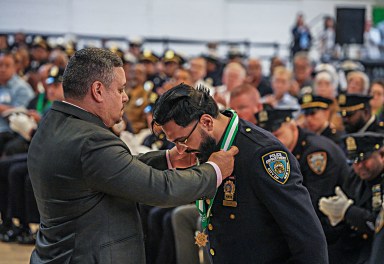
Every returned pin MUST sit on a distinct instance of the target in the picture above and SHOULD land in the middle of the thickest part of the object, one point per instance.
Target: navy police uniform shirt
(375, 126)
(263, 213)
(323, 166)
(360, 217)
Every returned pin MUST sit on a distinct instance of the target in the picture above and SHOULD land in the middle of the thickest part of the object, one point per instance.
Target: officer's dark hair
(183, 104)
(87, 66)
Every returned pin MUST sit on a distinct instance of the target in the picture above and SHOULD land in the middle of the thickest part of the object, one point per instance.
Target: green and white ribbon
(229, 136)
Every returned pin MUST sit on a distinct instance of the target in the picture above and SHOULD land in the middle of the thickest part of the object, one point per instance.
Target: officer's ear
(97, 90)
(206, 122)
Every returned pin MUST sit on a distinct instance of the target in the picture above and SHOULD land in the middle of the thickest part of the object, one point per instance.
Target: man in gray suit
(87, 183)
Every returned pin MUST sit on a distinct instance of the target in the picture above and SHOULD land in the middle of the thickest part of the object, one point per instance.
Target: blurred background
(258, 28)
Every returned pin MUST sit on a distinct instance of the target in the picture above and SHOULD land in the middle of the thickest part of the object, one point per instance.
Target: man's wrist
(218, 173)
(169, 162)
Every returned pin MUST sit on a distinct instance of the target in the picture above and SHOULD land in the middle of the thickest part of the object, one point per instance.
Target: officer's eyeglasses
(183, 141)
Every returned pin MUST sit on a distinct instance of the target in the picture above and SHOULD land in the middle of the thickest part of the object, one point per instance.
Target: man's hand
(225, 160)
(335, 206)
(181, 160)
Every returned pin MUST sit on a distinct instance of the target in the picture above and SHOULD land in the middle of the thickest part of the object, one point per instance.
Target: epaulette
(254, 135)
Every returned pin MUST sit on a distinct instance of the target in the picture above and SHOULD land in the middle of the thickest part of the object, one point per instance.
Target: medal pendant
(201, 239)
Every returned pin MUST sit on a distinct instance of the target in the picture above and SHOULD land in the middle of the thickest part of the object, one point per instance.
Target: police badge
(276, 163)
(229, 191)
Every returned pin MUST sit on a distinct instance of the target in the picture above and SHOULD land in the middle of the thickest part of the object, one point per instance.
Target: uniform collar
(370, 122)
(301, 143)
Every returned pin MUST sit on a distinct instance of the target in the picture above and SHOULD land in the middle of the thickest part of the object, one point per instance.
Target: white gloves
(22, 124)
(335, 206)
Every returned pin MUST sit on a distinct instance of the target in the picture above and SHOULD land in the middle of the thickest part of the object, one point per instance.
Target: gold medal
(201, 239)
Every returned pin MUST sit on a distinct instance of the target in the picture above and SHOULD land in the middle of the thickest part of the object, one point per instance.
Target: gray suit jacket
(87, 185)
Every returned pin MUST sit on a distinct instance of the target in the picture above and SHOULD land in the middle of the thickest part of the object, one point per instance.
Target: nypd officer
(262, 213)
(316, 115)
(357, 114)
(322, 163)
(154, 79)
(172, 61)
(359, 206)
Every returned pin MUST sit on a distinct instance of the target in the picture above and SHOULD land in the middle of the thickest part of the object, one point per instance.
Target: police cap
(309, 103)
(360, 146)
(40, 42)
(55, 75)
(172, 56)
(349, 103)
(148, 55)
(272, 119)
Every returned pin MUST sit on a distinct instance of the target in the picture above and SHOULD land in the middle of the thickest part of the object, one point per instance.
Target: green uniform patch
(276, 163)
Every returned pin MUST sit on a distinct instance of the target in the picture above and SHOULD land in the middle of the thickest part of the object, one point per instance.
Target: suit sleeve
(291, 207)
(109, 167)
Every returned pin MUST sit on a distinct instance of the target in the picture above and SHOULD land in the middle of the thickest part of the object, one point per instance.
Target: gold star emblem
(201, 239)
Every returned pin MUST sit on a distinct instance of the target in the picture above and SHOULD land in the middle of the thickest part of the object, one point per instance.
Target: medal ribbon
(229, 136)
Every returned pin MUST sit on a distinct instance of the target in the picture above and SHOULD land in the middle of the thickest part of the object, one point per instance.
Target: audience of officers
(330, 100)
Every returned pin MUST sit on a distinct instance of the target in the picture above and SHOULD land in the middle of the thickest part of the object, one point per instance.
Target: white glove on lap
(22, 124)
(335, 206)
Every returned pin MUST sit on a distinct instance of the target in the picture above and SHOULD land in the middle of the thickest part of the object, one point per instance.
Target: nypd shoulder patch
(317, 161)
(276, 163)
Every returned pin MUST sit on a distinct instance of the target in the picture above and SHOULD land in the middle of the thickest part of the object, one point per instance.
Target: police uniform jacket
(274, 221)
(375, 126)
(87, 185)
(324, 166)
(134, 109)
(360, 217)
(332, 134)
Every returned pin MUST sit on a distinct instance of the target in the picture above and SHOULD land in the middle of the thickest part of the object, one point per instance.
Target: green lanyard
(40, 108)
(229, 136)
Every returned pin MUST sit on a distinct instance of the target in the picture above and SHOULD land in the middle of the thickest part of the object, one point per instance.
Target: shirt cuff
(169, 164)
(218, 173)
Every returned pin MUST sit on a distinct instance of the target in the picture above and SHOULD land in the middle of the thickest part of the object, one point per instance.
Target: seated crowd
(318, 110)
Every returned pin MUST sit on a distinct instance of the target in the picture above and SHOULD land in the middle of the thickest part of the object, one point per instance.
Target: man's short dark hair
(183, 104)
(87, 66)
